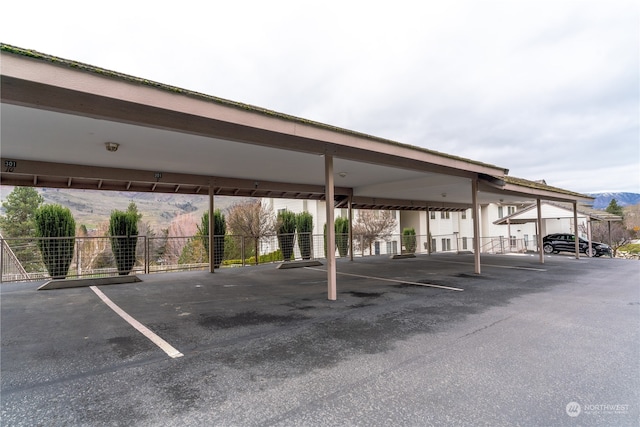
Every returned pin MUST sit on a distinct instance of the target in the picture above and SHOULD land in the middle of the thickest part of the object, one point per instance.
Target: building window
(500, 212)
(432, 215)
(464, 243)
(512, 241)
(445, 215)
(511, 210)
(446, 244)
(433, 245)
(464, 215)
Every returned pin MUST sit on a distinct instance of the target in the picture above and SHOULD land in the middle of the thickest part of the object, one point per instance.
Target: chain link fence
(22, 259)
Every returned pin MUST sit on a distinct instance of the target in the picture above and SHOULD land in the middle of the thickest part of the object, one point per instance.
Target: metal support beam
(331, 230)
(476, 225)
(211, 232)
(539, 230)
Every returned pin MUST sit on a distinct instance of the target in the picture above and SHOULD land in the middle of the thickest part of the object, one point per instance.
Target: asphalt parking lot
(522, 344)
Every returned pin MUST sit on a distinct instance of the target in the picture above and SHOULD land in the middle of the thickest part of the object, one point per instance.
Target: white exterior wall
(317, 209)
(413, 219)
(454, 228)
(565, 225)
(314, 207)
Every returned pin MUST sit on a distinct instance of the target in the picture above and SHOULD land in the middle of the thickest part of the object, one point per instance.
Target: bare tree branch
(371, 226)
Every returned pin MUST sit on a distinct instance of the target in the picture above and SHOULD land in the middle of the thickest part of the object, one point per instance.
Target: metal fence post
(146, 254)
(78, 257)
(1, 259)
(242, 249)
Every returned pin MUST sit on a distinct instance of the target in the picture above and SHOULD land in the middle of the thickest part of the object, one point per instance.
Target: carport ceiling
(58, 115)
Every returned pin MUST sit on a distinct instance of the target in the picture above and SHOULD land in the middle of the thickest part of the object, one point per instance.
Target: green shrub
(409, 240)
(56, 230)
(286, 228)
(632, 248)
(324, 231)
(265, 258)
(123, 230)
(219, 232)
(304, 224)
(342, 236)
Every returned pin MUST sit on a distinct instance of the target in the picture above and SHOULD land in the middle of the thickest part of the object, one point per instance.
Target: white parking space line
(428, 285)
(165, 346)
(496, 266)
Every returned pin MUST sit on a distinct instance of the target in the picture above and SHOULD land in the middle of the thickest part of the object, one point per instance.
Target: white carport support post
(331, 228)
(428, 232)
(575, 229)
(350, 229)
(539, 233)
(476, 225)
(211, 231)
(589, 248)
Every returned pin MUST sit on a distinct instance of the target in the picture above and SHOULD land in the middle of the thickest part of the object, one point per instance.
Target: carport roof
(57, 116)
(551, 210)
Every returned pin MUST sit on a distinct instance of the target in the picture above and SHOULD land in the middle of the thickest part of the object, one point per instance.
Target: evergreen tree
(409, 239)
(614, 208)
(285, 229)
(19, 208)
(304, 225)
(342, 235)
(56, 230)
(123, 230)
(18, 223)
(219, 232)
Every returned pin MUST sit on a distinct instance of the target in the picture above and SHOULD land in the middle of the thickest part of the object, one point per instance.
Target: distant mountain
(91, 208)
(623, 199)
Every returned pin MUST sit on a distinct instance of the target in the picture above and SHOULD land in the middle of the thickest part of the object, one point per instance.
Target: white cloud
(548, 89)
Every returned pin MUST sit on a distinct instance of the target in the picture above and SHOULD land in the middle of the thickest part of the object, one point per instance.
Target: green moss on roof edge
(540, 186)
(247, 107)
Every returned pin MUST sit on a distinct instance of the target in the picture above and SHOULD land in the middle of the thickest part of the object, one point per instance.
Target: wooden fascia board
(31, 82)
(529, 193)
(63, 172)
(408, 204)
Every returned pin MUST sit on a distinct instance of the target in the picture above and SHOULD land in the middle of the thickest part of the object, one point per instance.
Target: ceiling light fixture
(111, 146)
(342, 174)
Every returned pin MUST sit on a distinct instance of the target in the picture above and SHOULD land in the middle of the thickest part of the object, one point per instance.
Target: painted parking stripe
(165, 346)
(428, 285)
(494, 265)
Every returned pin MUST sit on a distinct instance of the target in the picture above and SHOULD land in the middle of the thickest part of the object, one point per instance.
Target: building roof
(57, 115)
(550, 210)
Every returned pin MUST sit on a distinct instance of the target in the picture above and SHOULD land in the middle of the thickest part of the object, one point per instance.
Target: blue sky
(547, 89)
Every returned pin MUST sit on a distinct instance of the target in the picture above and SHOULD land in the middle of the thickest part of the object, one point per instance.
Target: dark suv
(561, 242)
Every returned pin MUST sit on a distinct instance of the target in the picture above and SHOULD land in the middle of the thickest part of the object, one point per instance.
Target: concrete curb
(402, 256)
(299, 264)
(79, 283)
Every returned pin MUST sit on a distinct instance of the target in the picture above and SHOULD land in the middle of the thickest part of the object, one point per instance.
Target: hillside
(623, 199)
(91, 208)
